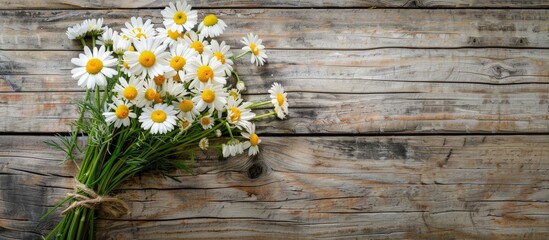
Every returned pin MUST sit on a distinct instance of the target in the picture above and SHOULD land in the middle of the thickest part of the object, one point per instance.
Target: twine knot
(111, 206)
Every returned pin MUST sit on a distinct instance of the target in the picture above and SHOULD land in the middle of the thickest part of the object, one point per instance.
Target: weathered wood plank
(384, 90)
(77, 4)
(312, 70)
(310, 28)
(314, 187)
(522, 109)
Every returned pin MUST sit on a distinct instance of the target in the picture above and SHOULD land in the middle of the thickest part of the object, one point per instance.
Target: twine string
(111, 206)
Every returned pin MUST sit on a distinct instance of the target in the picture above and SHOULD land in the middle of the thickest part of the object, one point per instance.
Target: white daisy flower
(126, 68)
(179, 16)
(121, 115)
(253, 44)
(107, 37)
(76, 32)
(129, 91)
(174, 89)
(197, 43)
(150, 95)
(168, 36)
(139, 30)
(187, 109)
(253, 141)
(203, 144)
(94, 68)
(149, 59)
(279, 100)
(211, 26)
(120, 44)
(232, 148)
(180, 57)
(239, 114)
(94, 26)
(211, 96)
(207, 121)
(159, 119)
(185, 124)
(235, 93)
(222, 53)
(207, 69)
(218, 133)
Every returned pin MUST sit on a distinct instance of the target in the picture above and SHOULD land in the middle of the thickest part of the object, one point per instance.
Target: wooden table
(409, 119)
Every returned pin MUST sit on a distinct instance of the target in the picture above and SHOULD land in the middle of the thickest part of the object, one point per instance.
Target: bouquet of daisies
(155, 96)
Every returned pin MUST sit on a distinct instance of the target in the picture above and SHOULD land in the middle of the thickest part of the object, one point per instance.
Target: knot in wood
(255, 171)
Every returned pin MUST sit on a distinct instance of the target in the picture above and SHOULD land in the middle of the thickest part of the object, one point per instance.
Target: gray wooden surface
(408, 119)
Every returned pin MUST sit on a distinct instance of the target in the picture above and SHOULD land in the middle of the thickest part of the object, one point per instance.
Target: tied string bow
(111, 206)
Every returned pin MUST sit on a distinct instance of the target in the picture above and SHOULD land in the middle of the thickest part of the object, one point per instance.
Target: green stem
(264, 115)
(93, 41)
(229, 129)
(259, 104)
(97, 96)
(240, 55)
(77, 130)
(83, 42)
(74, 226)
(236, 75)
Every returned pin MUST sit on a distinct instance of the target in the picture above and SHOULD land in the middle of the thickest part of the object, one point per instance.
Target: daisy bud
(240, 86)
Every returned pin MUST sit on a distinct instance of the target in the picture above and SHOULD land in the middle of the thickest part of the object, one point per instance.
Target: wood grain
(370, 67)
(357, 71)
(335, 114)
(97, 4)
(310, 187)
(309, 28)
(377, 91)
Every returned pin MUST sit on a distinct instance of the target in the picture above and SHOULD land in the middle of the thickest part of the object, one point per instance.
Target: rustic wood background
(415, 119)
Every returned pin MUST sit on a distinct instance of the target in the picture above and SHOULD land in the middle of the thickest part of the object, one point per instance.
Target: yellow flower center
(198, 46)
(186, 105)
(147, 58)
(205, 73)
(220, 57)
(150, 94)
(131, 49)
(122, 111)
(210, 20)
(235, 114)
(159, 80)
(177, 63)
(254, 139)
(180, 17)
(208, 96)
(205, 121)
(173, 34)
(159, 116)
(136, 30)
(255, 49)
(280, 99)
(141, 35)
(126, 65)
(130, 92)
(157, 98)
(185, 124)
(94, 66)
(177, 78)
(234, 94)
